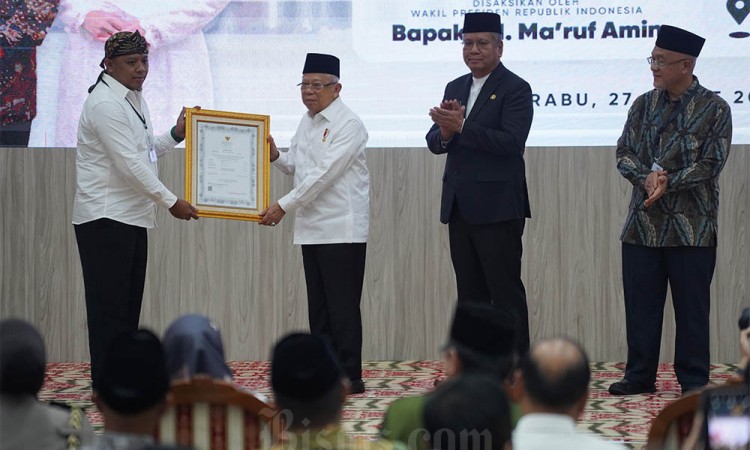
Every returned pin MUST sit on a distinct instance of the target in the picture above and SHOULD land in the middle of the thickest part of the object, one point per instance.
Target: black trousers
(334, 274)
(487, 262)
(646, 271)
(113, 259)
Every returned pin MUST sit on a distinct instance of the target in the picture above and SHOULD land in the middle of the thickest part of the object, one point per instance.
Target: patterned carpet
(626, 419)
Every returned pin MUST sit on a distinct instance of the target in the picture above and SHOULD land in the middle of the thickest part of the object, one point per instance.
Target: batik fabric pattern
(23, 26)
(690, 139)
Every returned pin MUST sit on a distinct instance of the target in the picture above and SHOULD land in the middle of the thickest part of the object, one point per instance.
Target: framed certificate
(227, 163)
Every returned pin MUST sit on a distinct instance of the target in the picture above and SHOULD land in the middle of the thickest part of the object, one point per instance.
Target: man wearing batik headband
(118, 190)
(331, 198)
(672, 150)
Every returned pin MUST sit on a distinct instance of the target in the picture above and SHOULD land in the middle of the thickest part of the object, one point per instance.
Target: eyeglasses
(482, 44)
(659, 63)
(314, 86)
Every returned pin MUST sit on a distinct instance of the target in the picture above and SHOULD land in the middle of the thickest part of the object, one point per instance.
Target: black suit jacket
(485, 173)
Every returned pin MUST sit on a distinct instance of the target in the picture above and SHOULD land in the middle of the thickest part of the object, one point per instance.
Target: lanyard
(140, 117)
(672, 118)
(675, 112)
(151, 152)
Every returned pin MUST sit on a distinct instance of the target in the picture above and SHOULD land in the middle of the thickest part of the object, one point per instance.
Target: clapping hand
(449, 116)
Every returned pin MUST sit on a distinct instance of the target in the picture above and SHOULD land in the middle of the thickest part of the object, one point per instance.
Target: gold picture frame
(227, 163)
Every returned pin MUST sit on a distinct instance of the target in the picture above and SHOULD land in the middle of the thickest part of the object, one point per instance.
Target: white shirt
(538, 431)
(476, 86)
(116, 178)
(331, 195)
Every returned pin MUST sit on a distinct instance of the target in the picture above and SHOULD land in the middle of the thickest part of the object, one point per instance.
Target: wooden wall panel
(13, 253)
(249, 279)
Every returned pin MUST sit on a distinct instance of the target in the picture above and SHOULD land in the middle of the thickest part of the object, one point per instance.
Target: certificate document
(227, 164)
(227, 157)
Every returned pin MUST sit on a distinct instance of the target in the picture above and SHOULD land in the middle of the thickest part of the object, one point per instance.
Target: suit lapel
(465, 90)
(489, 86)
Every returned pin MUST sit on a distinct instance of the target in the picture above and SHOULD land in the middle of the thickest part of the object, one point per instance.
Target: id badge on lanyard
(149, 141)
(151, 150)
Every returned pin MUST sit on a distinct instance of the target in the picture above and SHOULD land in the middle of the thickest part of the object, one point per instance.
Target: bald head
(556, 374)
(556, 356)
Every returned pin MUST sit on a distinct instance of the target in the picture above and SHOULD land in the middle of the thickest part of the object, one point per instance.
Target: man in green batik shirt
(673, 148)
(482, 340)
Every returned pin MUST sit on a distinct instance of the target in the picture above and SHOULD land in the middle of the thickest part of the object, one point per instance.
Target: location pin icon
(739, 9)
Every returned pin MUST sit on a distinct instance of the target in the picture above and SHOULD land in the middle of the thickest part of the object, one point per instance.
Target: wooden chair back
(208, 414)
(672, 425)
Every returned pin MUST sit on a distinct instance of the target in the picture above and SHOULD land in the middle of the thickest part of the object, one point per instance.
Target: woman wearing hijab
(193, 346)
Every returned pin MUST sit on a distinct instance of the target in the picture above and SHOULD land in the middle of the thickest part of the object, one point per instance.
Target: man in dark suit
(482, 124)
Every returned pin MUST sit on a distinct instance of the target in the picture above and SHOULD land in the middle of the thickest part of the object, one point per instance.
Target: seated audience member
(193, 346)
(468, 412)
(695, 439)
(132, 393)
(481, 341)
(25, 422)
(310, 389)
(554, 383)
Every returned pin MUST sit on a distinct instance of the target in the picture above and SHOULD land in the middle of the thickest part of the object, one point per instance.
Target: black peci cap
(134, 374)
(481, 23)
(679, 40)
(22, 358)
(304, 367)
(320, 63)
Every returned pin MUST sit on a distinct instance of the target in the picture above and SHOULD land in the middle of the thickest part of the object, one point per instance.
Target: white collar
(481, 80)
(546, 423)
